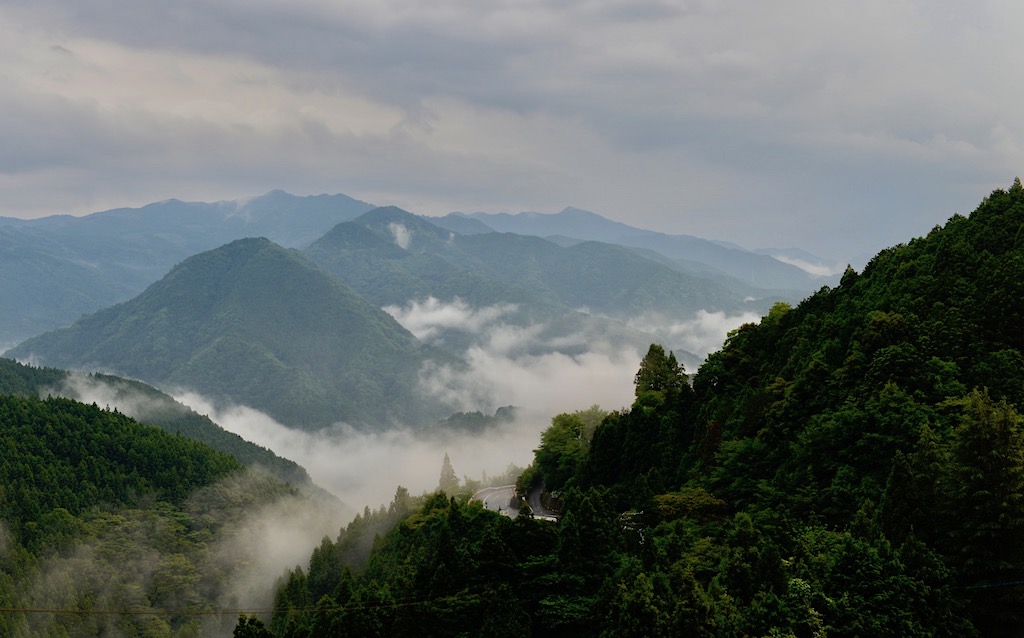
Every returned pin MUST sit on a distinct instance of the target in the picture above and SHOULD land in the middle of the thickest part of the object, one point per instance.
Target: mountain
(692, 254)
(54, 269)
(849, 466)
(257, 324)
(393, 257)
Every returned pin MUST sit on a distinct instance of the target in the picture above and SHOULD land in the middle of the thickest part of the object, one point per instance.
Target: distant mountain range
(54, 269)
(690, 254)
(301, 334)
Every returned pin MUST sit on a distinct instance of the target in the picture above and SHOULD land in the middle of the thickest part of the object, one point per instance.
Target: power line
(405, 602)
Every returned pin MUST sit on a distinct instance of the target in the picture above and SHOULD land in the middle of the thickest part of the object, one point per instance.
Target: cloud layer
(840, 127)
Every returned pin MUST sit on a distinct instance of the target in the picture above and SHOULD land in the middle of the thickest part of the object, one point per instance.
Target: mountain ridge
(253, 323)
(760, 270)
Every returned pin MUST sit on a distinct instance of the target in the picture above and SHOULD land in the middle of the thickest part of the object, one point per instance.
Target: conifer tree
(449, 479)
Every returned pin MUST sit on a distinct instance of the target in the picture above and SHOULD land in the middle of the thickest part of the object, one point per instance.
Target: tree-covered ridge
(152, 407)
(256, 324)
(100, 514)
(851, 466)
(64, 454)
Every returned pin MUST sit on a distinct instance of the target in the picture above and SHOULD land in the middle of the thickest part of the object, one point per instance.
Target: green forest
(850, 466)
(101, 513)
(109, 527)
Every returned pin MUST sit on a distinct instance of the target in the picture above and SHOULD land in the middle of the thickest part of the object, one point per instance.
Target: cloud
(814, 268)
(426, 319)
(364, 468)
(701, 335)
(401, 234)
(760, 124)
(252, 538)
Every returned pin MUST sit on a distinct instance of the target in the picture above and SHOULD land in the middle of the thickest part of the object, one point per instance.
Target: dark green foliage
(250, 627)
(851, 466)
(64, 454)
(100, 513)
(152, 407)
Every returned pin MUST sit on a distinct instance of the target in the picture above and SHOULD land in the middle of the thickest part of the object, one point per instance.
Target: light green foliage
(659, 373)
(563, 446)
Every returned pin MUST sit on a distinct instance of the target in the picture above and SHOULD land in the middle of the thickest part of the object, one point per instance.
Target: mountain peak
(256, 324)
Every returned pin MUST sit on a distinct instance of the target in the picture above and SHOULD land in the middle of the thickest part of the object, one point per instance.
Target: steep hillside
(147, 405)
(850, 466)
(112, 528)
(256, 324)
(57, 268)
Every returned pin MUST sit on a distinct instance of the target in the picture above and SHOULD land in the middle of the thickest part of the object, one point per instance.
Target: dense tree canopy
(850, 466)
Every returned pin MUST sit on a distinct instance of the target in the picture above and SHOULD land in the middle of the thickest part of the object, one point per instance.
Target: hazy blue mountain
(54, 269)
(461, 224)
(365, 254)
(761, 271)
(603, 278)
(257, 324)
(603, 291)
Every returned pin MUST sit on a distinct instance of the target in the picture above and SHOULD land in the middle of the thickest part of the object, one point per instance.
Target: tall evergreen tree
(449, 479)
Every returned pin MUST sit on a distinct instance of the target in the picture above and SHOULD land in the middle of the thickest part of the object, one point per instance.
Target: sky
(838, 127)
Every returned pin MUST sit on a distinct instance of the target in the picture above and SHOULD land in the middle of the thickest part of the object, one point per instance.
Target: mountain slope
(147, 405)
(694, 255)
(57, 268)
(126, 528)
(851, 466)
(392, 258)
(253, 323)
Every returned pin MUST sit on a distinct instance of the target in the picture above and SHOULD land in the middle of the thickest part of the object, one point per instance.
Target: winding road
(498, 499)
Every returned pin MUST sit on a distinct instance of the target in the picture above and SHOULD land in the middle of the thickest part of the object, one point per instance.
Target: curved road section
(501, 499)
(498, 499)
(539, 511)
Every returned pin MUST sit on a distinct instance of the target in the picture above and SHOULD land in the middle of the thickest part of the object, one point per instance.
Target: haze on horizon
(840, 128)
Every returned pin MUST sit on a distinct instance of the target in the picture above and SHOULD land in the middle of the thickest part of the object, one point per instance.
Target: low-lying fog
(364, 468)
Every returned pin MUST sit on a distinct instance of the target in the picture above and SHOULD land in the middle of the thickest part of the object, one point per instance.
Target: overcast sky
(840, 127)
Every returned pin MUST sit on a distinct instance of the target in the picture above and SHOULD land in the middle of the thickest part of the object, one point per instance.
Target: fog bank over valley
(525, 366)
(505, 365)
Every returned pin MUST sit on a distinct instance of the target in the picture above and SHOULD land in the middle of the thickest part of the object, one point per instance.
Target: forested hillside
(148, 405)
(255, 324)
(851, 466)
(109, 527)
(57, 268)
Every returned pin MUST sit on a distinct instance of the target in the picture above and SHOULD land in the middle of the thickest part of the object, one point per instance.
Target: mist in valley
(506, 364)
(525, 366)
